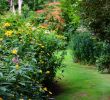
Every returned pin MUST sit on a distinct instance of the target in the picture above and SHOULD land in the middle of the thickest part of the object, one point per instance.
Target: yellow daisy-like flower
(8, 33)
(45, 89)
(14, 51)
(17, 67)
(47, 72)
(7, 24)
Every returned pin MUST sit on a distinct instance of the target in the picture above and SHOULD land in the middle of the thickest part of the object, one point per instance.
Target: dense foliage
(88, 50)
(4, 6)
(103, 57)
(95, 14)
(83, 47)
(71, 16)
(51, 17)
(28, 58)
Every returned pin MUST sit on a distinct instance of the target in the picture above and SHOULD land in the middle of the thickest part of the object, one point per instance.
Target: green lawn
(82, 82)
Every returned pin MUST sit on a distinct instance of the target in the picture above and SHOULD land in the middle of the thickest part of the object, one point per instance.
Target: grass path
(81, 82)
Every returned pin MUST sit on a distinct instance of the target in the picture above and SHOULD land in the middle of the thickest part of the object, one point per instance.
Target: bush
(103, 62)
(51, 17)
(83, 47)
(103, 57)
(27, 58)
(95, 14)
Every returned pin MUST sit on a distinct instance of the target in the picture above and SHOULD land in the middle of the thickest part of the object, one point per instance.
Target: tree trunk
(19, 6)
(12, 7)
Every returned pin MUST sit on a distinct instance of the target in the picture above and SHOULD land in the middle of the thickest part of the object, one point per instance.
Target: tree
(12, 6)
(96, 15)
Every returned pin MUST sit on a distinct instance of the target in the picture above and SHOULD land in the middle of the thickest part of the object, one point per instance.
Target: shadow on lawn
(56, 88)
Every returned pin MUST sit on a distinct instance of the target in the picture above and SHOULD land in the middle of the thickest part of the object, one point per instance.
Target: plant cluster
(27, 58)
(89, 50)
(70, 14)
(51, 17)
(83, 47)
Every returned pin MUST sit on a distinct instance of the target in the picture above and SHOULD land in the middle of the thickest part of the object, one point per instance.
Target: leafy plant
(103, 59)
(83, 47)
(70, 14)
(27, 58)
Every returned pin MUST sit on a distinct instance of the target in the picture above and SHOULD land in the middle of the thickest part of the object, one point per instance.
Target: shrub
(51, 17)
(103, 62)
(83, 47)
(103, 58)
(27, 58)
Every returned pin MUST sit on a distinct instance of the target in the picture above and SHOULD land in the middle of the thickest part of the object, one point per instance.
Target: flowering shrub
(51, 16)
(27, 59)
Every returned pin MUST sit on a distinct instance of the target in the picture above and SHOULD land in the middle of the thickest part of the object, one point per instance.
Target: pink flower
(15, 60)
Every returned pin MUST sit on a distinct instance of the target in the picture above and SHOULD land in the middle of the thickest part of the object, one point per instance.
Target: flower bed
(27, 59)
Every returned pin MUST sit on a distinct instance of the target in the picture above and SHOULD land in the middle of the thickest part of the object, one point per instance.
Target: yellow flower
(47, 72)
(1, 98)
(17, 67)
(7, 24)
(50, 92)
(40, 71)
(42, 46)
(8, 33)
(21, 99)
(45, 89)
(14, 51)
(1, 39)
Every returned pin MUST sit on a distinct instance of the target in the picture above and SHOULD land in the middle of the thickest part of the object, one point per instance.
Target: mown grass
(82, 82)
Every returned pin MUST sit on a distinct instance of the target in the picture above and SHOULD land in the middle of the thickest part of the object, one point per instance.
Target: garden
(54, 50)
